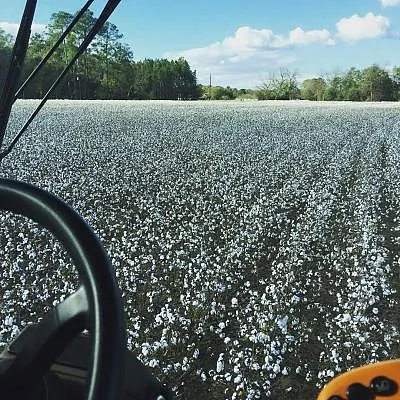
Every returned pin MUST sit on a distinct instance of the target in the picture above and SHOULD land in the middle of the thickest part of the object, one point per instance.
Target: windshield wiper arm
(14, 70)
(105, 14)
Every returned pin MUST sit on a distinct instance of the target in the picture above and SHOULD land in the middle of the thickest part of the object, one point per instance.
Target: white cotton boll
(346, 318)
(234, 301)
(220, 363)
(295, 299)
(255, 366)
(15, 331)
(145, 349)
(153, 363)
(335, 354)
(25, 294)
(282, 323)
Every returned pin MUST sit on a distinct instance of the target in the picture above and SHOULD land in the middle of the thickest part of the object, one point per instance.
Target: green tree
(281, 86)
(106, 70)
(351, 85)
(163, 79)
(334, 90)
(344, 86)
(59, 22)
(376, 84)
(6, 42)
(121, 71)
(396, 83)
(269, 88)
(313, 89)
(36, 51)
(105, 48)
(83, 74)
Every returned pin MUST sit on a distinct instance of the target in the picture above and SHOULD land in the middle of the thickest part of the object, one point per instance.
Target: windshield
(254, 228)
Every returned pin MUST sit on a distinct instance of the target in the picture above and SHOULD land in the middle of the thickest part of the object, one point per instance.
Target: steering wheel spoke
(36, 349)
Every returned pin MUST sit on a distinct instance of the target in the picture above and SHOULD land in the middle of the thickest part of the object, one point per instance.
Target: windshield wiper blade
(14, 70)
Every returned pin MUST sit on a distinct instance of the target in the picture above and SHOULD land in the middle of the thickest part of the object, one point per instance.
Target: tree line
(105, 71)
(369, 84)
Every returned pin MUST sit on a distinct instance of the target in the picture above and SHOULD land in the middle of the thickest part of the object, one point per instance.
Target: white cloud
(247, 38)
(300, 37)
(10, 27)
(244, 59)
(358, 28)
(388, 3)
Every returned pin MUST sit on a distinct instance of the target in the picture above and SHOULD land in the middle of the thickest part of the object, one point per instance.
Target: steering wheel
(96, 305)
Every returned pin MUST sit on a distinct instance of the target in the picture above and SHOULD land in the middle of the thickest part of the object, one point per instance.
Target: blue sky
(242, 42)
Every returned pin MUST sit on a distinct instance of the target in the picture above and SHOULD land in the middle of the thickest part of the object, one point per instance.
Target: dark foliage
(106, 71)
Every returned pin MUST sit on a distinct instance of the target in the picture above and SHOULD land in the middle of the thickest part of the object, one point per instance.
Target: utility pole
(209, 88)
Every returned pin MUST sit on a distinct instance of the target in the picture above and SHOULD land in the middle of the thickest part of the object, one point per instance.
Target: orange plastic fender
(371, 382)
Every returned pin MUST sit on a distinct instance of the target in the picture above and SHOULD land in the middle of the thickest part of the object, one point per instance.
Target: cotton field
(256, 244)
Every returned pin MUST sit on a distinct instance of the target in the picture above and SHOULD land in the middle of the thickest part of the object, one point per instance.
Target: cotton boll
(220, 363)
(268, 216)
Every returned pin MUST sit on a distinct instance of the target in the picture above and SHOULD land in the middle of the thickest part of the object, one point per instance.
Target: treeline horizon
(107, 70)
(372, 83)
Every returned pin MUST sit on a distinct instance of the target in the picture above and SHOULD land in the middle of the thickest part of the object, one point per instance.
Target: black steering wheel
(96, 305)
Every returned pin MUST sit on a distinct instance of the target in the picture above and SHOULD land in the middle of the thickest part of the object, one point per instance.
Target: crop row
(256, 244)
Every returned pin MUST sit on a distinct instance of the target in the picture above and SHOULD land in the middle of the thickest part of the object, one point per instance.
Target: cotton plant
(254, 244)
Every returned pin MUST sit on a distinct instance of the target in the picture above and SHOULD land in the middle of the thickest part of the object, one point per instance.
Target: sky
(241, 43)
